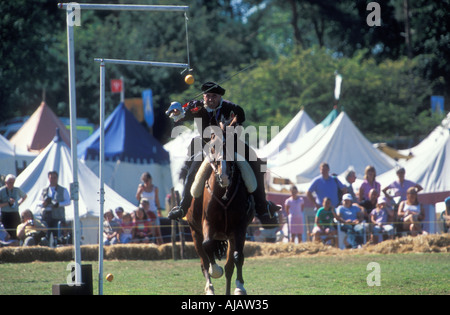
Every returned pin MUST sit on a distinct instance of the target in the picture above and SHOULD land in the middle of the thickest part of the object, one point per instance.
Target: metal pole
(143, 63)
(73, 146)
(122, 93)
(102, 192)
(128, 7)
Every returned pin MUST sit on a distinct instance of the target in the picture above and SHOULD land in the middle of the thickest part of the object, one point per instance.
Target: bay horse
(219, 215)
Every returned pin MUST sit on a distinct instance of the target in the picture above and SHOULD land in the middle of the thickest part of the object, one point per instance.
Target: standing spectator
(380, 220)
(324, 223)
(351, 217)
(111, 229)
(147, 190)
(350, 177)
(369, 183)
(325, 186)
(398, 188)
(54, 199)
(294, 206)
(446, 215)
(31, 231)
(10, 199)
(411, 212)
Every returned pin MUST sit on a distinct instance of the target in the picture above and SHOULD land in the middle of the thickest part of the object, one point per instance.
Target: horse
(220, 213)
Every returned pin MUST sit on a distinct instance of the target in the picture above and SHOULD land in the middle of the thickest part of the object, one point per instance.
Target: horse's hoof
(240, 290)
(215, 271)
(209, 290)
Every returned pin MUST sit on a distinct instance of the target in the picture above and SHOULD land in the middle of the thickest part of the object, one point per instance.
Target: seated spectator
(31, 231)
(351, 219)
(5, 238)
(368, 183)
(368, 205)
(111, 229)
(119, 214)
(127, 229)
(350, 178)
(142, 227)
(411, 212)
(324, 223)
(380, 220)
(152, 216)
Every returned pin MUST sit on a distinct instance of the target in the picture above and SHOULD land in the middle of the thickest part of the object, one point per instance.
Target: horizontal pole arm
(126, 7)
(143, 63)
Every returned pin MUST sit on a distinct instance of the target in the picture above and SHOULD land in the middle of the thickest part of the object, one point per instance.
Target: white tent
(431, 168)
(56, 157)
(294, 130)
(340, 144)
(178, 151)
(12, 157)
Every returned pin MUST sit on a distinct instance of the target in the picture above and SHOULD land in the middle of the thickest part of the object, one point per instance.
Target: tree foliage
(296, 44)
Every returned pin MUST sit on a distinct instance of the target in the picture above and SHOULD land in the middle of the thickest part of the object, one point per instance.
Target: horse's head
(221, 152)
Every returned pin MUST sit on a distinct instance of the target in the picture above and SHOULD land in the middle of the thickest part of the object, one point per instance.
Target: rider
(210, 111)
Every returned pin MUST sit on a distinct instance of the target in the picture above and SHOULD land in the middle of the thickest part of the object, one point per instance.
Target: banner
(147, 98)
(437, 103)
(116, 85)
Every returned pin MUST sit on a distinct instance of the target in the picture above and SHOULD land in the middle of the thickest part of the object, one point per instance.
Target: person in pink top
(368, 183)
(399, 187)
(294, 206)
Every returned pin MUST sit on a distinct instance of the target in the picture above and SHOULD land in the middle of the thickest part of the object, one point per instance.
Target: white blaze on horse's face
(224, 181)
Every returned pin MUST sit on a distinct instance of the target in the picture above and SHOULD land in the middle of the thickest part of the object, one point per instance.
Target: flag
(337, 88)
(116, 85)
(437, 103)
(147, 98)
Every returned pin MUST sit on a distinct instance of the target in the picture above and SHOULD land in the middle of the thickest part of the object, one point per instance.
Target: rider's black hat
(212, 87)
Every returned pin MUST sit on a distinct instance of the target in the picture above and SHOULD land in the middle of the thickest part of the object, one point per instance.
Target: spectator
(399, 187)
(111, 229)
(446, 215)
(380, 220)
(54, 199)
(411, 212)
(5, 237)
(142, 227)
(147, 190)
(350, 177)
(10, 199)
(294, 206)
(351, 217)
(368, 183)
(127, 229)
(145, 204)
(31, 231)
(369, 204)
(325, 186)
(324, 223)
(119, 214)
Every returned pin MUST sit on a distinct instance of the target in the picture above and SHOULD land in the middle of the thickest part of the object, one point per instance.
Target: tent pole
(102, 191)
(73, 145)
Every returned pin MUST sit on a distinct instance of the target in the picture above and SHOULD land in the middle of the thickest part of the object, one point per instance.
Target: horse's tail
(220, 249)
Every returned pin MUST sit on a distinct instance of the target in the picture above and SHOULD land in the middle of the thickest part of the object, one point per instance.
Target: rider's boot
(265, 210)
(180, 211)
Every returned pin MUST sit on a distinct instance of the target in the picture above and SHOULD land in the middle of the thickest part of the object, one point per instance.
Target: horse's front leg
(198, 240)
(209, 246)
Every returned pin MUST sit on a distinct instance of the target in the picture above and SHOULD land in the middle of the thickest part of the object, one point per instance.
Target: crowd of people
(24, 228)
(367, 212)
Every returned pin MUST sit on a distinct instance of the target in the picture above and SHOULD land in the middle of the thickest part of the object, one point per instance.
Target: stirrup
(176, 213)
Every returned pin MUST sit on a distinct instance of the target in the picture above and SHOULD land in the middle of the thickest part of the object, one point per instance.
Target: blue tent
(125, 139)
(130, 150)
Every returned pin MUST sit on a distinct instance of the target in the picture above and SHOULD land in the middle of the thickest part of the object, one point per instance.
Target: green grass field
(346, 274)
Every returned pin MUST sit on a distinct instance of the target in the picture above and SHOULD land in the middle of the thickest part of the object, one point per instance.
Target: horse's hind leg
(229, 266)
(239, 262)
